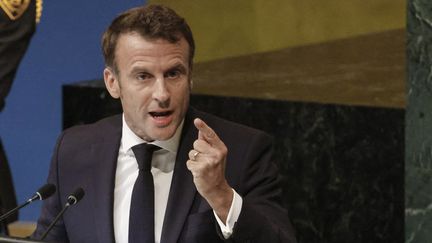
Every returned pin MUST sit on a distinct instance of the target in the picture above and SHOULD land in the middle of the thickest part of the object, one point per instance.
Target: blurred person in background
(18, 19)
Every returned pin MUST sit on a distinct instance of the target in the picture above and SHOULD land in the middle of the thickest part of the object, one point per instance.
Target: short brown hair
(151, 22)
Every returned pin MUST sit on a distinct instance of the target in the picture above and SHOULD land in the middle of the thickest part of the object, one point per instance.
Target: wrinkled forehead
(139, 39)
(133, 49)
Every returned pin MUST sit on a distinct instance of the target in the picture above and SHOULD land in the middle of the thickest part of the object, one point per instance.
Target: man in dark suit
(213, 180)
(17, 25)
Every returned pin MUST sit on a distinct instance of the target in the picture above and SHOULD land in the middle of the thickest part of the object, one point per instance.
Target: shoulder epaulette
(14, 8)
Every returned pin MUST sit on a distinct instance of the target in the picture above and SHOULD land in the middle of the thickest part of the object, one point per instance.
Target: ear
(111, 82)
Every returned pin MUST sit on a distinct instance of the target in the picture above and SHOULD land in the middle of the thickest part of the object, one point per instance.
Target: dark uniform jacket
(17, 25)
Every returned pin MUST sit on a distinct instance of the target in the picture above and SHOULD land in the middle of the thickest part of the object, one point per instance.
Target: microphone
(72, 199)
(75, 197)
(43, 193)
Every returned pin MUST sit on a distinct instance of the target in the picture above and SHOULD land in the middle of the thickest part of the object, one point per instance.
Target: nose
(161, 93)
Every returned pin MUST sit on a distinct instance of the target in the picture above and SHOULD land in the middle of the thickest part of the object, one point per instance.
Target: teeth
(159, 113)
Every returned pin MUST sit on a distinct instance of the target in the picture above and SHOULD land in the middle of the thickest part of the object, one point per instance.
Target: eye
(143, 76)
(173, 74)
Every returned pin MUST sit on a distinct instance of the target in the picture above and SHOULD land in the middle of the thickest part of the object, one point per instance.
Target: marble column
(418, 143)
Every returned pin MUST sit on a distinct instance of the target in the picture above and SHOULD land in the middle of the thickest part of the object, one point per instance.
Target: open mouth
(160, 114)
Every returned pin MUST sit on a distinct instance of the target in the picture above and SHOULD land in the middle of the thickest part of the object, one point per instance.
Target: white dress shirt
(162, 169)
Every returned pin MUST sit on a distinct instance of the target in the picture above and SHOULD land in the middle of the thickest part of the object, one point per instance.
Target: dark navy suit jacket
(86, 156)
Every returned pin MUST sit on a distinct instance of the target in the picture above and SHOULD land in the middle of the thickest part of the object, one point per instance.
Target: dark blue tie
(141, 216)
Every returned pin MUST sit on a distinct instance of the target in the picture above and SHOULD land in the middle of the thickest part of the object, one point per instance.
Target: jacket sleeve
(263, 217)
(52, 206)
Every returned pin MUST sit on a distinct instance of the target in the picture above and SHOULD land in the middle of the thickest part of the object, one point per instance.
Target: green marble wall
(418, 143)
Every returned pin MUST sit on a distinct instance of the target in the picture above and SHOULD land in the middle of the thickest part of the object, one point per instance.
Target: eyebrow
(141, 69)
(178, 66)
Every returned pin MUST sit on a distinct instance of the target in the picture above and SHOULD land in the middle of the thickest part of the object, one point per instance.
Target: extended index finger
(205, 132)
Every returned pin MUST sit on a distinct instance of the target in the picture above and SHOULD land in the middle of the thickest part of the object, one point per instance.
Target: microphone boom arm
(55, 221)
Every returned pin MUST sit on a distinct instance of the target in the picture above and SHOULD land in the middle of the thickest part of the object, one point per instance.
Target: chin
(162, 134)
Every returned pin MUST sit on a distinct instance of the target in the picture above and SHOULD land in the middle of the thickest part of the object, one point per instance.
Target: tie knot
(143, 154)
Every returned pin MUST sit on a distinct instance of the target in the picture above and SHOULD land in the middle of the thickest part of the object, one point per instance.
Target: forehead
(132, 47)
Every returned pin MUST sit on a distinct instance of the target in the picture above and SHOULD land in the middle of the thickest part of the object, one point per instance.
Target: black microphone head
(46, 191)
(76, 196)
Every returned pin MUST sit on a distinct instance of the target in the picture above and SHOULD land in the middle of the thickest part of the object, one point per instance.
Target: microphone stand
(54, 221)
(44, 192)
(14, 210)
(72, 199)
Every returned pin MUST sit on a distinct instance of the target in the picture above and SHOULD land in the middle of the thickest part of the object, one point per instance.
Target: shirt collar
(130, 139)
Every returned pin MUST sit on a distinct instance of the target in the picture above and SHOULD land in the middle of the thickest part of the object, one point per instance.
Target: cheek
(183, 98)
(183, 91)
(134, 102)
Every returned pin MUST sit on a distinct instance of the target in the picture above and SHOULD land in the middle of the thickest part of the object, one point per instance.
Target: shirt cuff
(233, 215)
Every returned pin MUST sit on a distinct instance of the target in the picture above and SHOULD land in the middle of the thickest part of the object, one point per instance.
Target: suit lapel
(182, 191)
(105, 155)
